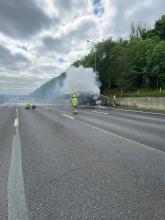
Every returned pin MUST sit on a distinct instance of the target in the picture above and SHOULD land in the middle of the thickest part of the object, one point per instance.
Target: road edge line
(17, 206)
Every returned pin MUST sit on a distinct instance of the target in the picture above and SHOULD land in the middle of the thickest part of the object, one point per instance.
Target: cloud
(12, 84)
(58, 45)
(22, 47)
(22, 18)
(19, 82)
(98, 7)
(83, 28)
(71, 8)
(78, 31)
(61, 61)
(12, 61)
(120, 14)
(50, 70)
(64, 5)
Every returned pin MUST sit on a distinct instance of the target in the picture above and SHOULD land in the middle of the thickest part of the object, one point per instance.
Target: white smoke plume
(81, 80)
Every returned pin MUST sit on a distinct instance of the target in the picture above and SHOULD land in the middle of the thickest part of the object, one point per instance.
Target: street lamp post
(94, 46)
(95, 60)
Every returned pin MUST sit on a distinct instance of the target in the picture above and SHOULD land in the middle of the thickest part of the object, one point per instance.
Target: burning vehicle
(88, 99)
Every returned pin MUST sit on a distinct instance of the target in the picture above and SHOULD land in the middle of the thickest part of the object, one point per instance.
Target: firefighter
(74, 103)
(114, 101)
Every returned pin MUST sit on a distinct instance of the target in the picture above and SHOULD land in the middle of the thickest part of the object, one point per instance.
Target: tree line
(135, 63)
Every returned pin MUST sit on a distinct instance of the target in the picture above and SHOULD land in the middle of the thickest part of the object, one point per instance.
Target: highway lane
(144, 128)
(7, 115)
(87, 167)
(73, 170)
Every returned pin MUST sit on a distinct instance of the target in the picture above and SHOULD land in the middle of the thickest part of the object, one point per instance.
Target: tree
(131, 64)
(156, 64)
(158, 33)
(160, 28)
(137, 30)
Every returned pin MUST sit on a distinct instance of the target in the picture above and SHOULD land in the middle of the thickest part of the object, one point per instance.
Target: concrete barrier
(143, 102)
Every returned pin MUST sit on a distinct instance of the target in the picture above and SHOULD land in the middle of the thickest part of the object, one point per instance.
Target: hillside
(50, 90)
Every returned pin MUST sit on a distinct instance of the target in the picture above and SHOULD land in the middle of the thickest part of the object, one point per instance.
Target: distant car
(33, 106)
(27, 105)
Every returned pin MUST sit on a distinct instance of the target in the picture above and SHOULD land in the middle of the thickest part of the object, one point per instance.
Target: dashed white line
(103, 113)
(68, 116)
(16, 123)
(51, 109)
(127, 110)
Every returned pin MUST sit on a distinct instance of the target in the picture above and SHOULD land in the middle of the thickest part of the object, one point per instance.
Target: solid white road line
(103, 113)
(68, 116)
(17, 207)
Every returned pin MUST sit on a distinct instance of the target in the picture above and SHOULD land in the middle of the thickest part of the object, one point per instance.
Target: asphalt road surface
(99, 164)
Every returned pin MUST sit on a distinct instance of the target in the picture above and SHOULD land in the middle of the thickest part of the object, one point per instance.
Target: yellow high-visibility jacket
(74, 101)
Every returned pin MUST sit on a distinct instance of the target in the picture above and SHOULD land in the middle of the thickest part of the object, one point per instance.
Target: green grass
(136, 93)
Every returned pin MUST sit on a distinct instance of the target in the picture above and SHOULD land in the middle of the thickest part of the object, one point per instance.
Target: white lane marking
(17, 207)
(103, 113)
(16, 123)
(51, 109)
(60, 112)
(68, 116)
(127, 110)
(121, 137)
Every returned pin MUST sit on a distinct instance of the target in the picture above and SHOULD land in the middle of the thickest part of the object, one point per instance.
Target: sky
(39, 39)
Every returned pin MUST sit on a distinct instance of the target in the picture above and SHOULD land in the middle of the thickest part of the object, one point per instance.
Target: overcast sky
(41, 38)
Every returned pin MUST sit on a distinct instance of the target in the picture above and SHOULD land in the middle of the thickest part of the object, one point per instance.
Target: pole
(94, 47)
(95, 61)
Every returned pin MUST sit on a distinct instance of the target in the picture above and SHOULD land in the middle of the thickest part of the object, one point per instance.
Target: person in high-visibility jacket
(114, 101)
(74, 103)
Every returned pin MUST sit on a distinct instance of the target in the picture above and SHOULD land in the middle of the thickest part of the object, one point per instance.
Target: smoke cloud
(81, 80)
